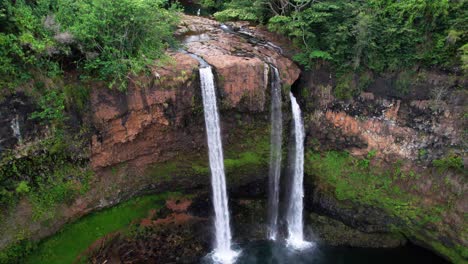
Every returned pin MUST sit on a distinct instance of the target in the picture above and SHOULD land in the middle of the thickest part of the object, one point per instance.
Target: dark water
(265, 252)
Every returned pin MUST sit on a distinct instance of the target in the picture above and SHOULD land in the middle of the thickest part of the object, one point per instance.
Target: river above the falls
(268, 252)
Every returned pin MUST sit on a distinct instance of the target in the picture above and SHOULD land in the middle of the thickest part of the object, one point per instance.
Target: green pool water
(76, 237)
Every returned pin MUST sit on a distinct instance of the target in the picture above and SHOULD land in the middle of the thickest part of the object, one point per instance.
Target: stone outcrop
(241, 62)
(135, 126)
(16, 129)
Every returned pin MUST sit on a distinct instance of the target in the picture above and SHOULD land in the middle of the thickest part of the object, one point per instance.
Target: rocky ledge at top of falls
(240, 62)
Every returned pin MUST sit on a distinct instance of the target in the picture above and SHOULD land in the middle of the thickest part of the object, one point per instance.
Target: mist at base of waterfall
(270, 252)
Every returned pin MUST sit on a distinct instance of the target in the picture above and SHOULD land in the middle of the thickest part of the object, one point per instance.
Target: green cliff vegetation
(100, 39)
(47, 172)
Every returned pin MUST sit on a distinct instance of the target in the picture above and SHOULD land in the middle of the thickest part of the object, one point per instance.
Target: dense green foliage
(100, 38)
(380, 35)
(54, 168)
(450, 162)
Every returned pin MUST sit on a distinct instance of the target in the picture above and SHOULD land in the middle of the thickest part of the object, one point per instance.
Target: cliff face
(390, 181)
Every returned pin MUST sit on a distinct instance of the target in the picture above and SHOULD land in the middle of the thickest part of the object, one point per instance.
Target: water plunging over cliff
(15, 126)
(295, 208)
(275, 154)
(222, 252)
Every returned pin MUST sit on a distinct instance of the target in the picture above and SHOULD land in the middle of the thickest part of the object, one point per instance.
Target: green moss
(354, 180)
(345, 87)
(65, 246)
(404, 82)
(365, 80)
(244, 159)
(58, 189)
(163, 171)
(16, 252)
(182, 166)
(450, 162)
(199, 169)
(250, 156)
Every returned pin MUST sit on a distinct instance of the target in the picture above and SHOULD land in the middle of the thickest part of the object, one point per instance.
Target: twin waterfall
(276, 141)
(294, 219)
(223, 252)
(295, 208)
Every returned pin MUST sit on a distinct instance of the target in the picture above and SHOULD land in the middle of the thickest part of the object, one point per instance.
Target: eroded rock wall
(392, 140)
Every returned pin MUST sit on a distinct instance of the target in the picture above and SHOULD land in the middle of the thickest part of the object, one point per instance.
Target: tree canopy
(380, 35)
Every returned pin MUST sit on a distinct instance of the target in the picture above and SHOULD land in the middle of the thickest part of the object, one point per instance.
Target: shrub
(116, 37)
(104, 39)
(450, 162)
(239, 10)
(22, 188)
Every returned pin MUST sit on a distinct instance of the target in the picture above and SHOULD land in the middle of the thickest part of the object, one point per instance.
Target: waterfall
(275, 154)
(222, 252)
(294, 214)
(15, 127)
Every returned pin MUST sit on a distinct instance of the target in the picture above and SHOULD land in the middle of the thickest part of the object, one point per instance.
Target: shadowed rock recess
(368, 160)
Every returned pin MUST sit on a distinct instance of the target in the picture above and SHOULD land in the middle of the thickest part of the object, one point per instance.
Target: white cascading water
(275, 154)
(222, 252)
(15, 126)
(294, 215)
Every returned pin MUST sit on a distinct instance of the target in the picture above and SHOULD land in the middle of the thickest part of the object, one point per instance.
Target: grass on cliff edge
(65, 246)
